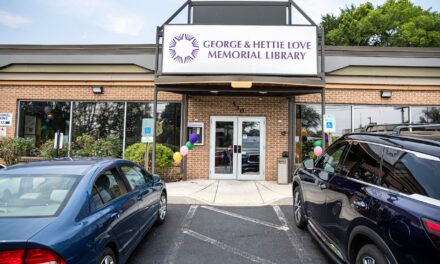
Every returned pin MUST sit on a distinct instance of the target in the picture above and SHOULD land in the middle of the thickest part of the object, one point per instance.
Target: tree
(431, 116)
(396, 23)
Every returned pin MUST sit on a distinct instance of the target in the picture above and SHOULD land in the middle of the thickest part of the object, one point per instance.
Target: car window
(34, 195)
(363, 162)
(134, 176)
(108, 186)
(407, 173)
(330, 160)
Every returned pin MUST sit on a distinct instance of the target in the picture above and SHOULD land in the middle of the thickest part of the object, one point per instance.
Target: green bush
(164, 155)
(12, 148)
(48, 151)
(87, 146)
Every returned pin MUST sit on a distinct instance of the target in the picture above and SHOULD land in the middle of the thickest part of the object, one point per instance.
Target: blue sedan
(77, 211)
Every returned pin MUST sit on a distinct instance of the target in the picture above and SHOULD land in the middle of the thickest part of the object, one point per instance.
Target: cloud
(12, 20)
(128, 25)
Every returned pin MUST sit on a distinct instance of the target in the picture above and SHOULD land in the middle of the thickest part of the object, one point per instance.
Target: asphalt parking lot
(206, 234)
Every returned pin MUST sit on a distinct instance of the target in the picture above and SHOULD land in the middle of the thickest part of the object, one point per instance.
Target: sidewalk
(229, 193)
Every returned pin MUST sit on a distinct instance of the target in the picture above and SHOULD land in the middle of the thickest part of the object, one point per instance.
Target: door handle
(360, 204)
(115, 214)
(235, 148)
(322, 186)
(238, 149)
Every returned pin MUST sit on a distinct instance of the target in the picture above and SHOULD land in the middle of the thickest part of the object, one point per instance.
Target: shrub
(164, 155)
(48, 151)
(12, 148)
(87, 146)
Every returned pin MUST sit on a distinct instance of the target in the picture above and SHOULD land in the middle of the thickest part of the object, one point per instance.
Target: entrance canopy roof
(227, 52)
(239, 85)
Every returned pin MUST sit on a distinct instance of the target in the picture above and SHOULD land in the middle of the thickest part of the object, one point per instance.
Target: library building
(254, 80)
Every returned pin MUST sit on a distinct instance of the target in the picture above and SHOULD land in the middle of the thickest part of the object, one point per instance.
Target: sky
(115, 21)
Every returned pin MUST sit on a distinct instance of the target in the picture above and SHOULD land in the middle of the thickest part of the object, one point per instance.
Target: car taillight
(433, 229)
(40, 256)
(11, 256)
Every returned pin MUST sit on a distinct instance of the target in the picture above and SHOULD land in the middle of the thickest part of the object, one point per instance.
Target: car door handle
(322, 186)
(360, 204)
(115, 214)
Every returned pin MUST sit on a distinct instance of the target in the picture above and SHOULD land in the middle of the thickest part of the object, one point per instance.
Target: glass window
(34, 195)
(425, 114)
(168, 118)
(109, 186)
(41, 120)
(331, 159)
(98, 119)
(363, 162)
(364, 115)
(134, 177)
(309, 127)
(407, 173)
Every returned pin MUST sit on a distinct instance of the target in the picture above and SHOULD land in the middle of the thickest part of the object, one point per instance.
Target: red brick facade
(200, 109)
(275, 110)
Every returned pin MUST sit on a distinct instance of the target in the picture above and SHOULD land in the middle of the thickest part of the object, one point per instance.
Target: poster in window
(30, 123)
(196, 127)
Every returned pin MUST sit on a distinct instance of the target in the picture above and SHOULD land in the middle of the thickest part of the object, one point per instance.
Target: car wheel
(107, 257)
(370, 254)
(299, 216)
(162, 212)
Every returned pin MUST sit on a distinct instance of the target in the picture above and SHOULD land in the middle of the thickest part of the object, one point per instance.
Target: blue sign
(147, 127)
(330, 123)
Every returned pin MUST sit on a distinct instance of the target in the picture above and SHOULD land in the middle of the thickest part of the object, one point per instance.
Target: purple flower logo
(184, 48)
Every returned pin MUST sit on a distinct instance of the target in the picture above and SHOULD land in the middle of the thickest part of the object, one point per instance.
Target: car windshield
(34, 195)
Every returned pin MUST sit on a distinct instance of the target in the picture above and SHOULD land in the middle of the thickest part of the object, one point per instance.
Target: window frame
(343, 155)
(123, 181)
(127, 182)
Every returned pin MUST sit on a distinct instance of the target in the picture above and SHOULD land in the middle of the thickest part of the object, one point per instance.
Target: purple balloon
(193, 138)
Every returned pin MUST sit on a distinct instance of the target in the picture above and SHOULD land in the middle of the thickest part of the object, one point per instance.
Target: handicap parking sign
(330, 123)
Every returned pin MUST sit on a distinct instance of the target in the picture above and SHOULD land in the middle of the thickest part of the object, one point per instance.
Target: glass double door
(237, 148)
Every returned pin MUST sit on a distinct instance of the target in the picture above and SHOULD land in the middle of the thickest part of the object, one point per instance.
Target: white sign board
(147, 139)
(329, 123)
(60, 143)
(265, 50)
(5, 119)
(3, 131)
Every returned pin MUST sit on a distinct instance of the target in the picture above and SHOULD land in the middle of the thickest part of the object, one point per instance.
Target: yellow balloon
(177, 157)
(304, 133)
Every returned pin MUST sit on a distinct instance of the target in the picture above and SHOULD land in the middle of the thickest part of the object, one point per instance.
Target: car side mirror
(308, 164)
(156, 178)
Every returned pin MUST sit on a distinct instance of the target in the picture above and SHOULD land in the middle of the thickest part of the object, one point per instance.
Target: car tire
(299, 216)
(107, 257)
(162, 211)
(370, 253)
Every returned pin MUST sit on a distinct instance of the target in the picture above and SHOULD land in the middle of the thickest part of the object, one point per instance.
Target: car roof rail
(398, 129)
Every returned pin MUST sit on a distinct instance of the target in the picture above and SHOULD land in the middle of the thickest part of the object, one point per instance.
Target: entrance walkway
(229, 193)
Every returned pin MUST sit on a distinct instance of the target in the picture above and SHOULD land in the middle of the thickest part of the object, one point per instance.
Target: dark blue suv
(373, 199)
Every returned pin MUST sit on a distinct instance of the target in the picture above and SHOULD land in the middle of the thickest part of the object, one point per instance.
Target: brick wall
(357, 96)
(200, 109)
(10, 95)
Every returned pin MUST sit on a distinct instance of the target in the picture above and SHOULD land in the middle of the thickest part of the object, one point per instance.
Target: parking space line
(178, 242)
(228, 248)
(294, 239)
(253, 220)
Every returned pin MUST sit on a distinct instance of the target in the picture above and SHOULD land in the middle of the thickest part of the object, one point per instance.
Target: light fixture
(214, 92)
(241, 85)
(262, 92)
(97, 89)
(386, 94)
